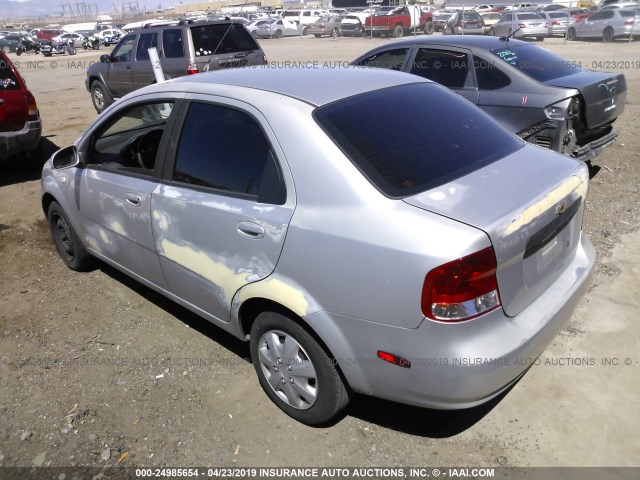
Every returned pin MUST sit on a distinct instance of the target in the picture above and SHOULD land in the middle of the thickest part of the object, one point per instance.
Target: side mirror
(105, 58)
(65, 158)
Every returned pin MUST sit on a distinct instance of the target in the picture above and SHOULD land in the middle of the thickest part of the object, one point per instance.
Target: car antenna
(510, 36)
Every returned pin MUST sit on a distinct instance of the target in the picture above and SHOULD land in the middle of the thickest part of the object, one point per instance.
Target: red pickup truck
(399, 21)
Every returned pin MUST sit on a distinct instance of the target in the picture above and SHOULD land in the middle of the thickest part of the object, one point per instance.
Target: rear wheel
(540, 39)
(18, 51)
(295, 371)
(334, 33)
(71, 50)
(317, 35)
(428, 28)
(398, 31)
(607, 35)
(277, 34)
(571, 34)
(67, 242)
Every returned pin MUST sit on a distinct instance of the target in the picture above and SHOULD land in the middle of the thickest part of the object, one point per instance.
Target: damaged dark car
(543, 98)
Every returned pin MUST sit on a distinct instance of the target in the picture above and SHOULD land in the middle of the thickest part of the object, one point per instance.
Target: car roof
(465, 41)
(316, 86)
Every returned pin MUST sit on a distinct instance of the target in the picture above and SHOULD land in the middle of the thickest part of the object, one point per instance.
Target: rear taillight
(555, 22)
(522, 25)
(628, 23)
(462, 289)
(264, 60)
(32, 108)
(192, 69)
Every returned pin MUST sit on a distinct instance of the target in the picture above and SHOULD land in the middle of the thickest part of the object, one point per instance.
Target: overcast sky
(35, 8)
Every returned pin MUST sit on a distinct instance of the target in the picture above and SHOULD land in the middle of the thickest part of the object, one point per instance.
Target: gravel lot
(95, 366)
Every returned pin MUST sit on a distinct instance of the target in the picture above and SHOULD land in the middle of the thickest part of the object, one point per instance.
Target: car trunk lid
(530, 204)
(604, 95)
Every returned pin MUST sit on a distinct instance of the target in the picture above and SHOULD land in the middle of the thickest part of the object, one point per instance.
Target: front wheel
(67, 242)
(71, 50)
(398, 31)
(334, 33)
(99, 96)
(277, 34)
(492, 32)
(295, 372)
(540, 39)
(571, 34)
(607, 35)
(18, 51)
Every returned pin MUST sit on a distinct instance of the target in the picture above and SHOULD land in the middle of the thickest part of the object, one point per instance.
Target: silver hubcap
(288, 369)
(98, 97)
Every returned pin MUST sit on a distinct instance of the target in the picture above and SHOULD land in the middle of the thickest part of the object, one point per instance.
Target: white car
(253, 26)
(74, 37)
(484, 8)
(278, 28)
(108, 36)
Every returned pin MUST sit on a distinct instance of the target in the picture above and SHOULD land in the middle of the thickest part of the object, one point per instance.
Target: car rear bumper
(454, 366)
(593, 149)
(25, 140)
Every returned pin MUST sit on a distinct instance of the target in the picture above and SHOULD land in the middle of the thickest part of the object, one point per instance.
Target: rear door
(221, 216)
(141, 69)
(13, 104)
(173, 53)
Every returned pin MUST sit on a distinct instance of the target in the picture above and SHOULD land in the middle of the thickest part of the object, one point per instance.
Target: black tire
(398, 32)
(67, 242)
(99, 96)
(71, 50)
(428, 28)
(492, 32)
(305, 30)
(335, 33)
(329, 392)
(47, 54)
(85, 46)
(277, 34)
(607, 35)
(540, 39)
(317, 35)
(18, 51)
(452, 32)
(571, 34)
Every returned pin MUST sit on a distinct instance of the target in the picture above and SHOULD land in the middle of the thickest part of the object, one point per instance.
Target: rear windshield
(224, 38)
(536, 62)
(529, 16)
(558, 15)
(414, 137)
(628, 13)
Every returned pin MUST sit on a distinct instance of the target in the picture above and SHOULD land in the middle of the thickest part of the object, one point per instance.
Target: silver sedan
(305, 211)
(521, 25)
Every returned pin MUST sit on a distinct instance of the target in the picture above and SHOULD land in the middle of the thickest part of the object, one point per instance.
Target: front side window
(129, 140)
(390, 59)
(225, 149)
(122, 53)
(448, 68)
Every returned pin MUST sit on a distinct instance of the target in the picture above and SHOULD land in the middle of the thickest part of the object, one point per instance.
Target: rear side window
(448, 68)
(221, 39)
(488, 76)
(8, 80)
(147, 41)
(225, 149)
(172, 43)
(414, 137)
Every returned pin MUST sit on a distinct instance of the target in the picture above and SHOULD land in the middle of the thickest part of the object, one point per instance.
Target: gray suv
(183, 48)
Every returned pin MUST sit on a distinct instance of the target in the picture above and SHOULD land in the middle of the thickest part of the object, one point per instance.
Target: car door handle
(133, 199)
(250, 230)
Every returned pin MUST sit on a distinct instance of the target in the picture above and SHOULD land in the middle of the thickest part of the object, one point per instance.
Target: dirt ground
(94, 366)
